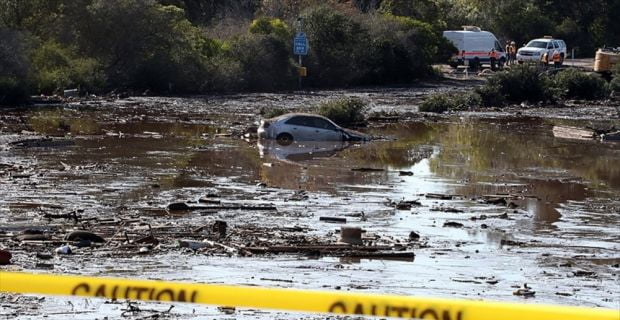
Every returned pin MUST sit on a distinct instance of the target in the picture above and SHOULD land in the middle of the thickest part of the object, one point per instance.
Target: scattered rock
(219, 227)
(178, 206)
(447, 209)
(583, 273)
(524, 291)
(453, 224)
(80, 235)
(351, 235)
(505, 242)
(44, 256)
(496, 201)
(405, 173)
(406, 204)
(5, 257)
(63, 250)
(194, 245)
(414, 236)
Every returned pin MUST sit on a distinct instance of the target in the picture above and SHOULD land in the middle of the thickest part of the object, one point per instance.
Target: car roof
(294, 114)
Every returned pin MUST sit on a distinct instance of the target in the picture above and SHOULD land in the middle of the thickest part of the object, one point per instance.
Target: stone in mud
(178, 206)
(81, 235)
(63, 250)
(44, 256)
(524, 291)
(5, 257)
(351, 235)
(414, 236)
(453, 224)
(219, 226)
(496, 201)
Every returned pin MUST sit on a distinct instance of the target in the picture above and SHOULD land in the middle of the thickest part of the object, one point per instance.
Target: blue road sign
(300, 44)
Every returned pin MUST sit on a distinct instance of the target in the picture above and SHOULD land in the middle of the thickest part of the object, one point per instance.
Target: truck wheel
(475, 63)
(561, 59)
(284, 139)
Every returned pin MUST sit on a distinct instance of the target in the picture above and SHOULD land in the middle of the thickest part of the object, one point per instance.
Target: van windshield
(537, 44)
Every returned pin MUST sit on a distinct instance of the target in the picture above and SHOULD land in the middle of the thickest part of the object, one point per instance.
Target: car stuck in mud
(305, 127)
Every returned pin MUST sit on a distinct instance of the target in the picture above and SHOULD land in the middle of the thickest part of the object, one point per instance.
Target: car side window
(299, 121)
(550, 45)
(323, 124)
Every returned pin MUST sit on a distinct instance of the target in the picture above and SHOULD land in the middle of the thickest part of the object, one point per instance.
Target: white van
(474, 46)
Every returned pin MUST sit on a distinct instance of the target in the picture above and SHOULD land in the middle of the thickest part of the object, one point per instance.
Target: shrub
(265, 62)
(491, 95)
(437, 103)
(572, 83)
(338, 47)
(276, 27)
(57, 68)
(522, 83)
(442, 102)
(344, 111)
(268, 113)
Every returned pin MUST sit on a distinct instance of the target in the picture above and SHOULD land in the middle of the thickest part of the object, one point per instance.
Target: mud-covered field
(470, 205)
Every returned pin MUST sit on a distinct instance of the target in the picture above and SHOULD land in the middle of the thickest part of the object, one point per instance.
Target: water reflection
(300, 151)
(480, 157)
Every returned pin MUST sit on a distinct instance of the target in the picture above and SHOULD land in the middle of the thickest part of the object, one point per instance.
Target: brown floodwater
(565, 194)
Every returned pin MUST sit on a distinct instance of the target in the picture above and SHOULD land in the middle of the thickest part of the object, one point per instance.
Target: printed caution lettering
(394, 311)
(135, 292)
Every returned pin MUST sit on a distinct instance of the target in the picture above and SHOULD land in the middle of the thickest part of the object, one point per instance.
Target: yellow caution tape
(294, 300)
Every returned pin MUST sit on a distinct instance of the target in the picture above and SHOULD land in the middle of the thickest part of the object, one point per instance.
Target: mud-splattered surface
(496, 200)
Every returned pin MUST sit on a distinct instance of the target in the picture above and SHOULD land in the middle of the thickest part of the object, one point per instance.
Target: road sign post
(300, 48)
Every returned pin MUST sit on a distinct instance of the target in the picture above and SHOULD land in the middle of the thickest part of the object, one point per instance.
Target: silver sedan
(305, 127)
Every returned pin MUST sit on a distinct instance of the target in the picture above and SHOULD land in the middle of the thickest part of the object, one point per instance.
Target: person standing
(557, 59)
(513, 52)
(493, 58)
(508, 53)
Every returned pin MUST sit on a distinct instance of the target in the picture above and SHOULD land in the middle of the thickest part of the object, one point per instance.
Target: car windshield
(537, 44)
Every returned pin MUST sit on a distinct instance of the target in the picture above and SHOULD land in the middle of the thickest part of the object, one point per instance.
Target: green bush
(437, 103)
(575, 84)
(345, 111)
(265, 62)
(442, 102)
(270, 26)
(57, 68)
(522, 83)
(269, 113)
(491, 95)
(338, 47)
(401, 49)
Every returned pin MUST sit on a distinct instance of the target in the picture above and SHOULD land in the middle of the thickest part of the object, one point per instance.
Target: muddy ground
(469, 205)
